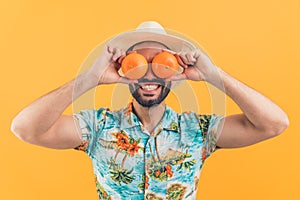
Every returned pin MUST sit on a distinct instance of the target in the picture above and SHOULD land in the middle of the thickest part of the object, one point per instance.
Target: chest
(141, 162)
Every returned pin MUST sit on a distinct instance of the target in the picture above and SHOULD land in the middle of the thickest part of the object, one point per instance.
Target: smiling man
(146, 150)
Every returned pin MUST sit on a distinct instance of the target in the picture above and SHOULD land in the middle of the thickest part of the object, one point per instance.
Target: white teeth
(150, 87)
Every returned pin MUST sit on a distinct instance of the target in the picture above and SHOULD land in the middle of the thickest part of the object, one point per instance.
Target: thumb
(125, 80)
(177, 77)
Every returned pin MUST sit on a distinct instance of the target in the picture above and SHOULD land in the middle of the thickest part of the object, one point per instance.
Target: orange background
(43, 44)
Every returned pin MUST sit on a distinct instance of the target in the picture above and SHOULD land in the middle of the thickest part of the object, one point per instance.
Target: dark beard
(165, 89)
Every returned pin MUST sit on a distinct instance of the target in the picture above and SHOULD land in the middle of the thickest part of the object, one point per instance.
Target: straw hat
(150, 31)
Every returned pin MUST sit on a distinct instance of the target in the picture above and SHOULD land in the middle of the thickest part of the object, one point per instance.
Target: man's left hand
(197, 66)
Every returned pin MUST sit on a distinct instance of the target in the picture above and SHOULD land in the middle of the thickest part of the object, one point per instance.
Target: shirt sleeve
(211, 126)
(90, 122)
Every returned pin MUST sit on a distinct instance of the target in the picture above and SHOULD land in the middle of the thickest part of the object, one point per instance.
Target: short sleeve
(89, 121)
(86, 122)
(211, 126)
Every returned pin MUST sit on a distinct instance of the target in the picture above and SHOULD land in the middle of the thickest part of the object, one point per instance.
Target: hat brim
(125, 40)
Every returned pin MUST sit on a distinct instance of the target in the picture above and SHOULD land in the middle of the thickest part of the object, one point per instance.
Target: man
(146, 150)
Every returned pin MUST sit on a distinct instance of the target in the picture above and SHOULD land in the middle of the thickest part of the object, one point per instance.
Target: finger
(117, 66)
(169, 51)
(191, 58)
(130, 52)
(110, 49)
(125, 80)
(120, 59)
(197, 54)
(105, 47)
(116, 55)
(184, 58)
(181, 63)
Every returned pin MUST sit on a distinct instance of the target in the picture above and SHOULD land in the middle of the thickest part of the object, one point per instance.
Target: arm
(261, 118)
(42, 122)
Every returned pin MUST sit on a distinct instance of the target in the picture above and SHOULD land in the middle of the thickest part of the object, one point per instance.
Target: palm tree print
(176, 192)
(186, 165)
(161, 170)
(122, 176)
(182, 164)
(128, 146)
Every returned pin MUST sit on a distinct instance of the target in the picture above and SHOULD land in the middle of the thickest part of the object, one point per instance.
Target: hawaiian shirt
(131, 163)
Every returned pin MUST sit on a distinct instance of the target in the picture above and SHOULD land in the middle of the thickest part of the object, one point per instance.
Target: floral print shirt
(130, 163)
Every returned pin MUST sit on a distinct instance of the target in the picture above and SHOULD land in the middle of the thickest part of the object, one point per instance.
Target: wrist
(86, 81)
(214, 76)
(90, 79)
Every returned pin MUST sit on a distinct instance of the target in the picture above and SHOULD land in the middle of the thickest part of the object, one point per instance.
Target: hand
(197, 66)
(105, 68)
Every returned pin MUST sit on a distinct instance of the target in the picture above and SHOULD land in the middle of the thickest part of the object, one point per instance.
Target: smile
(150, 87)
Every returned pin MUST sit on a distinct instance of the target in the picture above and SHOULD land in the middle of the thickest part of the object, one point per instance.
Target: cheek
(168, 85)
(132, 88)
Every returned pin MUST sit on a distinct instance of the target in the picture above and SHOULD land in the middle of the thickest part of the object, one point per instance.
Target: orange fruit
(134, 66)
(164, 65)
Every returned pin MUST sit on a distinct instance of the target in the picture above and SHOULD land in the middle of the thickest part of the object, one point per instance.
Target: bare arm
(42, 122)
(261, 118)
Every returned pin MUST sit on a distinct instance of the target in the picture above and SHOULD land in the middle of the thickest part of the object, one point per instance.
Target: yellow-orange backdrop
(43, 44)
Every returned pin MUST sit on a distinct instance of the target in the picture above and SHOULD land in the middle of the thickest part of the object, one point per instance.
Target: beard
(165, 89)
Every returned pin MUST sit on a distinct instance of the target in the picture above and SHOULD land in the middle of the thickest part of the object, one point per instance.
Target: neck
(151, 116)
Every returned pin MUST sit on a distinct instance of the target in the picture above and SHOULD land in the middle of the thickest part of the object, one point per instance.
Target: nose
(149, 74)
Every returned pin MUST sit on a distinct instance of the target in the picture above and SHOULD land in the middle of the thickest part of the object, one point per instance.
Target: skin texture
(42, 122)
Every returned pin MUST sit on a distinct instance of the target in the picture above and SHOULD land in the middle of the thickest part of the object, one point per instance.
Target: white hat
(150, 31)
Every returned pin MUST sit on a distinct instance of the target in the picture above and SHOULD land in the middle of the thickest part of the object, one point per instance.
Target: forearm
(261, 112)
(40, 115)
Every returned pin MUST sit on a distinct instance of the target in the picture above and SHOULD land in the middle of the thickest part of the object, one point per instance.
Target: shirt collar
(168, 122)
(128, 118)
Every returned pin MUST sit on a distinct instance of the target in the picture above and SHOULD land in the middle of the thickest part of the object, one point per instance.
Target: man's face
(150, 89)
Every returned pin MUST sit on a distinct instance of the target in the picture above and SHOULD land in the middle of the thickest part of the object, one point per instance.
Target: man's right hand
(105, 68)
(43, 123)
